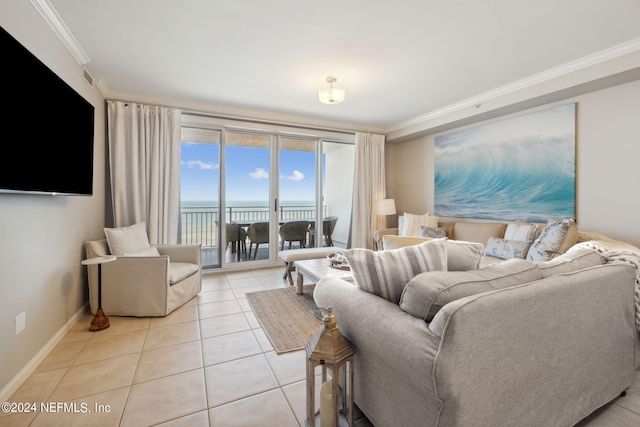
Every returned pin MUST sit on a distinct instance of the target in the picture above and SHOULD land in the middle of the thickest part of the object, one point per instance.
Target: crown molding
(595, 59)
(238, 113)
(62, 31)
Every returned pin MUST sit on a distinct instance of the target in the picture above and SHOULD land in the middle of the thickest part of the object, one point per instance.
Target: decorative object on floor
(100, 320)
(522, 168)
(287, 319)
(330, 350)
(332, 94)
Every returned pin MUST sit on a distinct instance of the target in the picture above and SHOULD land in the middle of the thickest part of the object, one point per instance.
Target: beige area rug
(286, 317)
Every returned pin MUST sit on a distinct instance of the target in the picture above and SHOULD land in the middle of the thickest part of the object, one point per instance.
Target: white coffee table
(316, 269)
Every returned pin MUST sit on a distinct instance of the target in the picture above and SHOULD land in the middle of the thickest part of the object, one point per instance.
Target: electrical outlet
(21, 322)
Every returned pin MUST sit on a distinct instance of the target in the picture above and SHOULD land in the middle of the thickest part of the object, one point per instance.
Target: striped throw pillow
(521, 230)
(385, 273)
(412, 223)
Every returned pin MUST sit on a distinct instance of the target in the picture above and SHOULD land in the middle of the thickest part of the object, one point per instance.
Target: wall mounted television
(48, 128)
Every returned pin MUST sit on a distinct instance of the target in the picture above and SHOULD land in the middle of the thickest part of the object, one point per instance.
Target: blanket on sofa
(620, 253)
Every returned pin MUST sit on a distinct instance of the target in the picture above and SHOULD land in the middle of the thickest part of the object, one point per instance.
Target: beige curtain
(144, 163)
(369, 186)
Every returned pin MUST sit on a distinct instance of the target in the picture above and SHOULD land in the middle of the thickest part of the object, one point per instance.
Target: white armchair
(145, 285)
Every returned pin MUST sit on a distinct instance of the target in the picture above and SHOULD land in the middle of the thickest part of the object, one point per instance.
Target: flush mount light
(331, 94)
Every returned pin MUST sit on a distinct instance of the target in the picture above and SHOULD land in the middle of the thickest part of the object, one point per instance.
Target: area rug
(287, 318)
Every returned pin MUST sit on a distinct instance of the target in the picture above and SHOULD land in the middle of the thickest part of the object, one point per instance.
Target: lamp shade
(385, 207)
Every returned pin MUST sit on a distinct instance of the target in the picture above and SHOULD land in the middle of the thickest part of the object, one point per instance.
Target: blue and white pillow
(507, 249)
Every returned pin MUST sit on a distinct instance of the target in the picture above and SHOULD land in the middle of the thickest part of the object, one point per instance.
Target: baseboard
(15, 383)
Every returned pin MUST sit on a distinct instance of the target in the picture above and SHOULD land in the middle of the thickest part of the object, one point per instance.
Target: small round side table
(100, 320)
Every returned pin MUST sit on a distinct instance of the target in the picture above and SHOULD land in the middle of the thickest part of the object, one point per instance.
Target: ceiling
(397, 60)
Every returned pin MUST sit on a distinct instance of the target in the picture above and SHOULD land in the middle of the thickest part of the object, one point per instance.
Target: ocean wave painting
(522, 168)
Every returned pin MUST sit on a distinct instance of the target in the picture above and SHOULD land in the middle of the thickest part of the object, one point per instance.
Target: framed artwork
(523, 168)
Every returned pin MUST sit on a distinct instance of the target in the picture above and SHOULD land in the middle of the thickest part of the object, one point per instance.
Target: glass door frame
(275, 132)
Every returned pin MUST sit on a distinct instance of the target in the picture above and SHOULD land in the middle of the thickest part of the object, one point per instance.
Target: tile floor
(207, 364)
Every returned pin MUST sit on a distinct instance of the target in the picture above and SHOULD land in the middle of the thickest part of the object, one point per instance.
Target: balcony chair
(258, 232)
(328, 224)
(238, 241)
(294, 231)
(148, 280)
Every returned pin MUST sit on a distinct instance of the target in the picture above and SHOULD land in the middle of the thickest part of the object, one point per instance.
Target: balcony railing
(200, 224)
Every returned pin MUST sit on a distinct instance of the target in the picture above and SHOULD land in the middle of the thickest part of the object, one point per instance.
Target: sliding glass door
(250, 191)
(248, 195)
(200, 193)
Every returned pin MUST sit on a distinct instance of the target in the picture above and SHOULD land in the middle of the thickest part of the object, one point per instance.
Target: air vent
(88, 78)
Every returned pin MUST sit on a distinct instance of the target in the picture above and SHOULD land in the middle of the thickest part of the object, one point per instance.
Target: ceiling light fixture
(331, 94)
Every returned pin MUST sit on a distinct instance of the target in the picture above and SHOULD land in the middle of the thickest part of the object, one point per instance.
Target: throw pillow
(555, 239)
(385, 273)
(461, 255)
(434, 233)
(507, 249)
(411, 224)
(125, 240)
(427, 293)
(521, 230)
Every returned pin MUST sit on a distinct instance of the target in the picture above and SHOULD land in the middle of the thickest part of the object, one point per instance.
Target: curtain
(368, 186)
(144, 164)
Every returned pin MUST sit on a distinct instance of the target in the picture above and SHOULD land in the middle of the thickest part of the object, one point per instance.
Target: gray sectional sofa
(511, 343)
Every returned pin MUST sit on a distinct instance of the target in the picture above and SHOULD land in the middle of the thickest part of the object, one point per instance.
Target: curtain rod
(242, 119)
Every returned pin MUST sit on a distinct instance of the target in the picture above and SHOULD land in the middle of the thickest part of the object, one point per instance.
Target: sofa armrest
(379, 234)
(565, 342)
(394, 353)
(182, 253)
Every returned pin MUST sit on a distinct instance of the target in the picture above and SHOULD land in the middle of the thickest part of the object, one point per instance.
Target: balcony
(199, 225)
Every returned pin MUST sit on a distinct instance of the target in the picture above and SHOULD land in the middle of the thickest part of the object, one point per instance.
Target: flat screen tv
(47, 126)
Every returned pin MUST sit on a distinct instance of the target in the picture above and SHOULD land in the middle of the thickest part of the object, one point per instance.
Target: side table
(100, 320)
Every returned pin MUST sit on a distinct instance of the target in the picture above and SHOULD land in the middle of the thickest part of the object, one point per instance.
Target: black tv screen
(48, 128)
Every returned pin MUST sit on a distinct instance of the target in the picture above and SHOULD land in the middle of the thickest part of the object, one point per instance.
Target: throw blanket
(623, 254)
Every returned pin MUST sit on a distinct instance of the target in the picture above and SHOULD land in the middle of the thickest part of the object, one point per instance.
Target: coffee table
(316, 269)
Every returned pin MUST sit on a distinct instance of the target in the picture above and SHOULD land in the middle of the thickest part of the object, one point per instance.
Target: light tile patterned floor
(207, 364)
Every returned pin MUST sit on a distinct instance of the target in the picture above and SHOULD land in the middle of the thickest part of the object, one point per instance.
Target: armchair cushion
(411, 224)
(179, 271)
(152, 251)
(125, 240)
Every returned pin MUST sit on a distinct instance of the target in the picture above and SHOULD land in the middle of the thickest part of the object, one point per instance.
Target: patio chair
(328, 224)
(294, 231)
(258, 232)
(238, 241)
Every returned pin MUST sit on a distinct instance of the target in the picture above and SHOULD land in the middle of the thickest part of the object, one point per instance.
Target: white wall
(42, 237)
(607, 169)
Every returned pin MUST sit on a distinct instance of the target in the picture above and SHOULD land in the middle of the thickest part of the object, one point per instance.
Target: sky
(247, 176)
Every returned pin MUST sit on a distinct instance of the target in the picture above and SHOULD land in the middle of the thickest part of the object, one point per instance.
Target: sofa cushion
(556, 238)
(130, 239)
(433, 232)
(385, 273)
(461, 256)
(478, 231)
(411, 224)
(507, 249)
(179, 271)
(572, 260)
(428, 292)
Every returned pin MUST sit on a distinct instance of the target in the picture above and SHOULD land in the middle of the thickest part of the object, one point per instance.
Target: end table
(100, 320)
